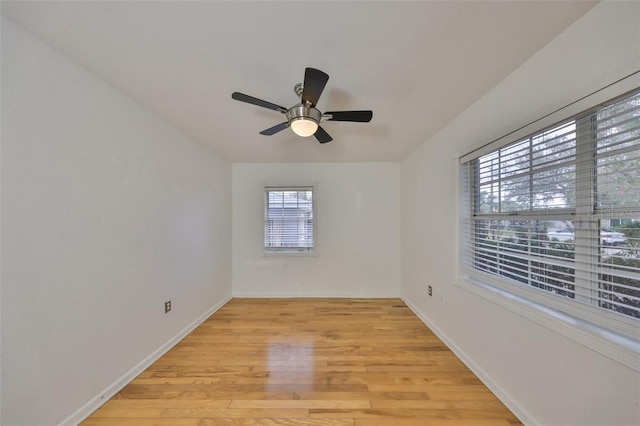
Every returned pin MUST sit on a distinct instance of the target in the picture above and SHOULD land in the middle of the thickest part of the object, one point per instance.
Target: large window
(289, 219)
(555, 217)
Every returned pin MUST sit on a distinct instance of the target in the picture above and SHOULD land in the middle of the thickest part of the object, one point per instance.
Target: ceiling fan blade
(314, 82)
(255, 101)
(322, 135)
(275, 129)
(359, 116)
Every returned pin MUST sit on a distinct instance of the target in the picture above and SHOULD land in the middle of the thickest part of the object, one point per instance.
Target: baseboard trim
(97, 401)
(523, 415)
(286, 295)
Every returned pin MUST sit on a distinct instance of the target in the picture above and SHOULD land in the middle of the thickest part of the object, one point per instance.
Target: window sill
(619, 348)
(292, 253)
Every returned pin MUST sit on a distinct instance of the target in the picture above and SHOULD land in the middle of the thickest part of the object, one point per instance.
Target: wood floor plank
(383, 413)
(307, 362)
(139, 412)
(302, 403)
(431, 422)
(135, 421)
(490, 406)
(253, 413)
(167, 403)
(276, 422)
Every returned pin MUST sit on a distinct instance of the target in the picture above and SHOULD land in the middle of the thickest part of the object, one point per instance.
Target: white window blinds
(289, 219)
(555, 216)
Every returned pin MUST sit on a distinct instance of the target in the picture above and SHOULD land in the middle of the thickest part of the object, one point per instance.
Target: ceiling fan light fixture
(304, 127)
(303, 120)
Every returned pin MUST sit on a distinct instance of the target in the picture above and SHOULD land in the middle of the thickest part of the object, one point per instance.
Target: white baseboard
(293, 295)
(523, 415)
(97, 401)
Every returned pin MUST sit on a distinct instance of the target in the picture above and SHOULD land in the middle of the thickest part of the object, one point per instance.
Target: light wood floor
(301, 362)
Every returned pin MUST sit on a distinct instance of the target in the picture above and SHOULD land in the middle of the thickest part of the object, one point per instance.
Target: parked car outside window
(607, 236)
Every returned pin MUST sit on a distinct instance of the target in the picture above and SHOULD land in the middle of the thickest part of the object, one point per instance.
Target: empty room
(321, 213)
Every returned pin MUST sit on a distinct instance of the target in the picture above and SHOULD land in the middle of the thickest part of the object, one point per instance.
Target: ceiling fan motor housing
(299, 111)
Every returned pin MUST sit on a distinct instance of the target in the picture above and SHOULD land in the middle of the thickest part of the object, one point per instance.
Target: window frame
(290, 250)
(602, 328)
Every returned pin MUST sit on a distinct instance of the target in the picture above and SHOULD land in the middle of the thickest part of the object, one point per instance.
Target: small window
(289, 220)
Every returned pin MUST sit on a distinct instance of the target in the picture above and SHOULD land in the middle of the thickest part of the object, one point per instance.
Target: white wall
(544, 377)
(107, 212)
(358, 231)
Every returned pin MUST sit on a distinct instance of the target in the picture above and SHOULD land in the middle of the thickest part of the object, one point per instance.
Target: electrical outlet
(167, 306)
(430, 291)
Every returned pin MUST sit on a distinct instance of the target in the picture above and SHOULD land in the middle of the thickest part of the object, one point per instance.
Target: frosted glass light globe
(304, 127)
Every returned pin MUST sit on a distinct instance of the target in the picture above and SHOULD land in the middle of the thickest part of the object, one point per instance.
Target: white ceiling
(417, 65)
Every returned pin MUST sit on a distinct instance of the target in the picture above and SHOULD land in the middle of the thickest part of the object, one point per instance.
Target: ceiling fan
(303, 118)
